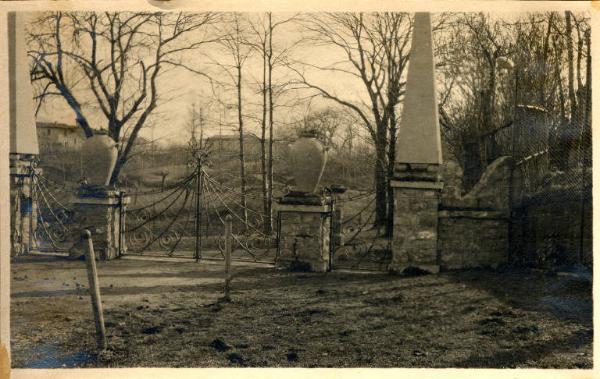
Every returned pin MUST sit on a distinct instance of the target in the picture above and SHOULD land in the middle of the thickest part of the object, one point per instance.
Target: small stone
(292, 356)
(152, 330)
(219, 345)
(235, 358)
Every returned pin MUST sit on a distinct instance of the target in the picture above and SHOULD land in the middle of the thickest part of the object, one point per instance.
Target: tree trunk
(587, 119)
(242, 165)
(269, 214)
(390, 174)
(117, 170)
(381, 186)
(491, 150)
(263, 153)
(565, 135)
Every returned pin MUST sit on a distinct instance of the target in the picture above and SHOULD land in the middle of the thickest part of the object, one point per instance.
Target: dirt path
(166, 313)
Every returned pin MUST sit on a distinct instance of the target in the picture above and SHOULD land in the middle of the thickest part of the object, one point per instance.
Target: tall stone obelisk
(416, 182)
(23, 137)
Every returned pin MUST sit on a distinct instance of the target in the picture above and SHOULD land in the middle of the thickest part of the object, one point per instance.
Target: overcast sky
(184, 88)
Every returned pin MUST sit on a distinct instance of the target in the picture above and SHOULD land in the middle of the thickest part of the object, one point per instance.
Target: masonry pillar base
(24, 210)
(415, 234)
(101, 212)
(304, 233)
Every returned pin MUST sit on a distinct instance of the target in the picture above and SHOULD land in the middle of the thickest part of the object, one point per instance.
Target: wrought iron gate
(355, 243)
(187, 218)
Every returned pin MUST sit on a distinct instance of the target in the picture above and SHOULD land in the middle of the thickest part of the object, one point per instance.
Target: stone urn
(307, 157)
(99, 157)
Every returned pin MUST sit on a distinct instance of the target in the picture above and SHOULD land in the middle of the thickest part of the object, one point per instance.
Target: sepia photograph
(311, 189)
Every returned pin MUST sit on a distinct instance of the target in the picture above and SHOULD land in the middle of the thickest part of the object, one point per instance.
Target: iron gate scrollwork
(187, 218)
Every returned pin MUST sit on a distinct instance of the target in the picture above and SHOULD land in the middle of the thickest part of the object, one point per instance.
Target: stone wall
(472, 238)
(304, 237)
(473, 229)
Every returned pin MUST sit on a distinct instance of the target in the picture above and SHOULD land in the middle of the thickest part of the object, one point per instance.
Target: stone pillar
(24, 212)
(23, 137)
(415, 225)
(101, 212)
(23, 131)
(417, 184)
(304, 233)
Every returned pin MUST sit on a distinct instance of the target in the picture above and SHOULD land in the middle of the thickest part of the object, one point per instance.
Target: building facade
(56, 137)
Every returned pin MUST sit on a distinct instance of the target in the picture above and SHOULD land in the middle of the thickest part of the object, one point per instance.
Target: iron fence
(186, 220)
(550, 185)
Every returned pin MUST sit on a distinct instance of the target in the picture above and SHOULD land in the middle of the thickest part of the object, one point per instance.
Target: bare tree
(325, 123)
(376, 47)
(196, 126)
(237, 47)
(121, 56)
(538, 44)
(264, 28)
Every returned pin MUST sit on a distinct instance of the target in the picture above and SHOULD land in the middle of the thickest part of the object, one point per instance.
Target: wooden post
(199, 185)
(90, 260)
(228, 237)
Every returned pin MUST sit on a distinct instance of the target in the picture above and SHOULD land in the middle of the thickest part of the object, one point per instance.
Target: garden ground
(167, 313)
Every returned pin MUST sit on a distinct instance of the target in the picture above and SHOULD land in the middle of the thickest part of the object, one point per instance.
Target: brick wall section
(304, 240)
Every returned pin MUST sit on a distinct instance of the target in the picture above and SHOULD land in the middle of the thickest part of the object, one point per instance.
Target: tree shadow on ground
(564, 298)
(533, 352)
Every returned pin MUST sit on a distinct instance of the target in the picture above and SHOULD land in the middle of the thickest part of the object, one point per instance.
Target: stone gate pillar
(304, 233)
(103, 213)
(24, 149)
(416, 181)
(24, 210)
(99, 206)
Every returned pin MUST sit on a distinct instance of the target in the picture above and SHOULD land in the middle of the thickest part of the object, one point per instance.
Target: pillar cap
(325, 208)
(416, 184)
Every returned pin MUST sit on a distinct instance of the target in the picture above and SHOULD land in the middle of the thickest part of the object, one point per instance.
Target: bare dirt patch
(168, 313)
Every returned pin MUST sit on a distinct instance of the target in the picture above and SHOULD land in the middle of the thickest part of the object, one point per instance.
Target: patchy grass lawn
(167, 313)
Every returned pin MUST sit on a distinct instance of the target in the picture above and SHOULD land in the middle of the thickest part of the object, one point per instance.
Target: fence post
(90, 260)
(228, 237)
(199, 185)
(121, 224)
